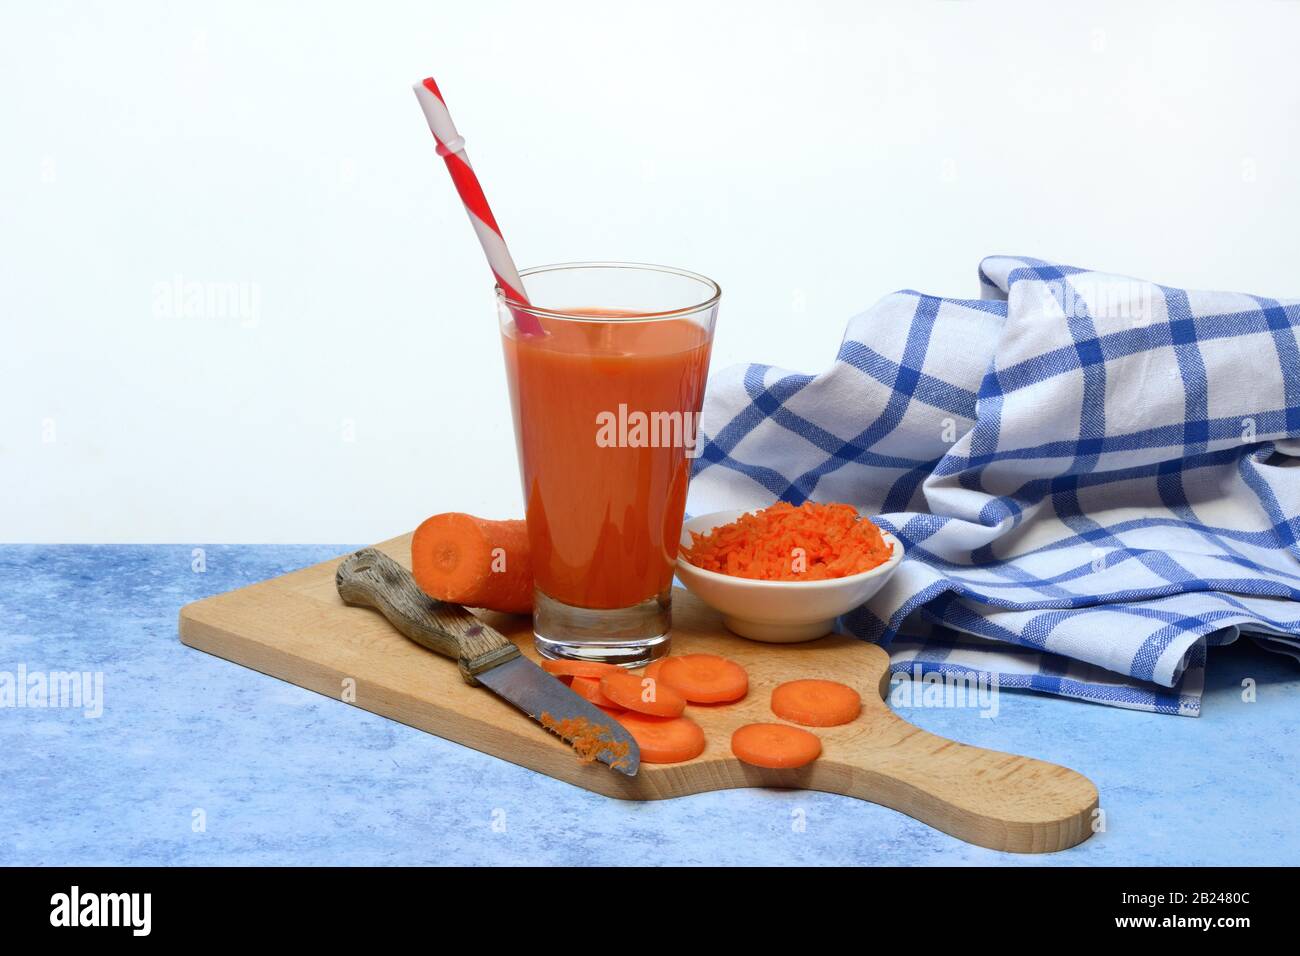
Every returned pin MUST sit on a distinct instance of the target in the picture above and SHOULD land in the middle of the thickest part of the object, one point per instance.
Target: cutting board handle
(370, 578)
(993, 799)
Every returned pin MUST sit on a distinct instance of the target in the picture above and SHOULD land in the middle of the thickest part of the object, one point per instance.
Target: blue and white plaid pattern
(1094, 476)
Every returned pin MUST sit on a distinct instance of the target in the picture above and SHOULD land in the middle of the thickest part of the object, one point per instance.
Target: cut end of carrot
(816, 703)
(705, 678)
(645, 695)
(472, 561)
(775, 746)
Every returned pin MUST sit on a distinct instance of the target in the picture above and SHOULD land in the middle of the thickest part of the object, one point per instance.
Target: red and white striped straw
(451, 147)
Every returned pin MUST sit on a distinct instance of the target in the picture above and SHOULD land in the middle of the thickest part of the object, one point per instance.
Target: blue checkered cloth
(1094, 477)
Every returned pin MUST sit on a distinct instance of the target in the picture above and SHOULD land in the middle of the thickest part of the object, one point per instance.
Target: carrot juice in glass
(606, 372)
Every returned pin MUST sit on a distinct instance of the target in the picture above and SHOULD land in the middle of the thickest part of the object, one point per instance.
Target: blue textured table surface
(195, 760)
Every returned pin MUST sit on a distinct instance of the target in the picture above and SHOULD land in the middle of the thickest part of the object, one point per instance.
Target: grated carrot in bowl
(810, 542)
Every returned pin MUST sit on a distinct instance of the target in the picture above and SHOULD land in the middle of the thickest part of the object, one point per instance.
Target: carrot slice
(816, 703)
(589, 687)
(472, 561)
(775, 745)
(652, 669)
(664, 739)
(642, 694)
(567, 668)
(705, 678)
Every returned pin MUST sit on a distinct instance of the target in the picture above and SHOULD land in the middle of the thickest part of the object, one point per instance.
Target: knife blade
(550, 703)
(369, 578)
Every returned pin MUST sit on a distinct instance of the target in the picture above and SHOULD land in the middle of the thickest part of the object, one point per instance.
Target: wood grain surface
(296, 628)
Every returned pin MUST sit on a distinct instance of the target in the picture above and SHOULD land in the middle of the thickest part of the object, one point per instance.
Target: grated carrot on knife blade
(784, 542)
(586, 738)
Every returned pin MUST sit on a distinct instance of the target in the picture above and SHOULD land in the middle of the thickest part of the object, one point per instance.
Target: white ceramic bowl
(779, 612)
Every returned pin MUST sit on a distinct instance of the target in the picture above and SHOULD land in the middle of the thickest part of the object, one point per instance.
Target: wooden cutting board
(296, 628)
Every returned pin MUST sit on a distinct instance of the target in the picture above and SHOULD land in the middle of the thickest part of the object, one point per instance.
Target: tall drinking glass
(606, 401)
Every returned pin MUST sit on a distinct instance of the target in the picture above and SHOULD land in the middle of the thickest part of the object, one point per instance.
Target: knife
(370, 578)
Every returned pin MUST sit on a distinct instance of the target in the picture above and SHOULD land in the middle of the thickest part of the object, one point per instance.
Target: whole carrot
(474, 561)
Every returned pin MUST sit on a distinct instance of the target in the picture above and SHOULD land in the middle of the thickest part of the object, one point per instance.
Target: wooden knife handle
(370, 578)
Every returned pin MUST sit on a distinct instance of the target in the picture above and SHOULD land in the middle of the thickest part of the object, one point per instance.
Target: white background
(810, 157)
